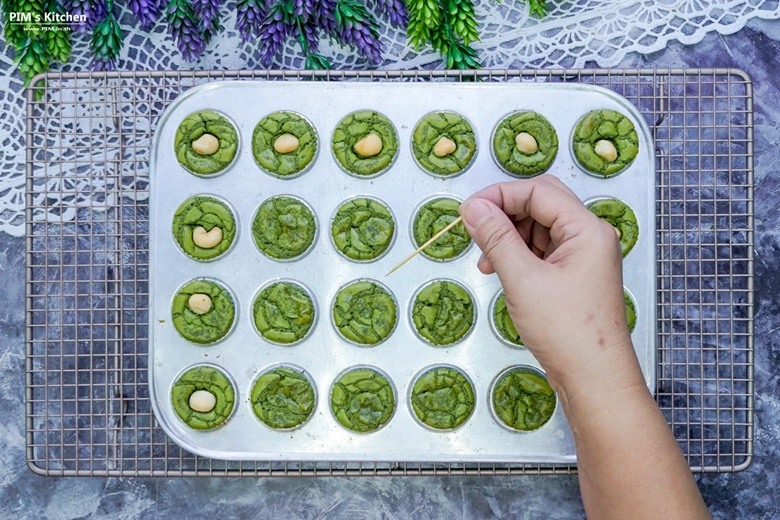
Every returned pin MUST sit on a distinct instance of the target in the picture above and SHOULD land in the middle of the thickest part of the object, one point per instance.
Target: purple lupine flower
(394, 11)
(184, 27)
(357, 34)
(308, 31)
(94, 10)
(303, 8)
(206, 10)
(100, 63)
(249, 16)
(147, 11)
(272, 33)
(324, 15)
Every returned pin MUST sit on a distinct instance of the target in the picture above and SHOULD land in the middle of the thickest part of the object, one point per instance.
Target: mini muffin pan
(324, 354)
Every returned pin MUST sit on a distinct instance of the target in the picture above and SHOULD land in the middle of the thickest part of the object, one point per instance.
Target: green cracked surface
(431, 218)
(620, 216)
(613, 127)
(210, 380)
(513, 160)
(443, 312)
(208, 213)
(269, 129)
(282, 398)
(283, 312)
(523, 399)
(363, 229)
(364, 312)
(630, 311)
(195, 125)
(355, 127)
(284, 227)
(503, 322)
(443, 398)
(203, 328)
(362, 400)
(452, 126)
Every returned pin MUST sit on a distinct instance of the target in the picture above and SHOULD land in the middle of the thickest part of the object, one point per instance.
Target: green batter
(363, 229)
(431, 218)
(351, 133)
(203, 379)
(608, 129)
(282, 398)
(444, 143)
(218, 129)
(503, 322)
(270, 138)
(621, 217)
(206, 213)
(362, 400)
(216, 319)
(533, 152)
(364, 312)
(283, 312)
(284, 228)
(443, 398)
(523, 400)
(630, 311)
(443, 312)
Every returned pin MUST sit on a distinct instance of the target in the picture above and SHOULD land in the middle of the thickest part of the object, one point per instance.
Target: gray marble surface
(749, 494)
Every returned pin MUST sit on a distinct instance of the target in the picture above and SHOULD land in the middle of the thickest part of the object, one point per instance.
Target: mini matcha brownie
(284, 143)
(431, 218)
(206, 142)
(621, 217)
(525, 144)
(503, 322)
(442, 398)
(365, 143)
(283, 312)
(363, 229)
(605, 142)
(443, 143)
(522, 399)
(364, 312)
(204, 227)
(630, 311)
(443, 312)
(282, 398)
(203, 397)
(362, 400)
(284, 227)
(203, 311)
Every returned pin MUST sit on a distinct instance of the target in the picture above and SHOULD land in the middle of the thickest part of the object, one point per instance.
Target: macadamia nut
(202, 401)
(199, 303)
(444, 146)
(286, 143)
(369, 146)
(606, 150)
(526, 143)
(206, 239)
(206, 144)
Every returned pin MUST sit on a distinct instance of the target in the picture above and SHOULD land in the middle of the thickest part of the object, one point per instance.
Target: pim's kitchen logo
(46, 18)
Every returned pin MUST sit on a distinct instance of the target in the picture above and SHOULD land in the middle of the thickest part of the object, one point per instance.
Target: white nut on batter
(369, 146)
(606, 150)
(526, 143)
(199, 303)
(286, 143)
(444, 146)
(206, 239)
(202, 401)
(206, 144)
(617, 232)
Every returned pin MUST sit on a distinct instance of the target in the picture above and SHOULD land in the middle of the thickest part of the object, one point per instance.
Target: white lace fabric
(575, 33)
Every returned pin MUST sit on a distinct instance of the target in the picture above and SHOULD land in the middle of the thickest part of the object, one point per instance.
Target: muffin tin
(324, 354)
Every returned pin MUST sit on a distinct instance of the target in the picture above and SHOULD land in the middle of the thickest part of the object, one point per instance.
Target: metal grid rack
(88, 137)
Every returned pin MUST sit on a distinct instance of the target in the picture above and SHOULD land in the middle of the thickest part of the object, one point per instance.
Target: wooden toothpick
(429, 242)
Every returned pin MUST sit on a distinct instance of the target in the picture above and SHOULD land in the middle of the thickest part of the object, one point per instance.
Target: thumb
(497, 237)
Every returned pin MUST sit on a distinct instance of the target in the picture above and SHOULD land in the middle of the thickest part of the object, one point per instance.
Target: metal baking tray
(323, 354)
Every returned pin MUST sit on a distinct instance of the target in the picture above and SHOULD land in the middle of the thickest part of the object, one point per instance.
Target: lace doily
(574, 33)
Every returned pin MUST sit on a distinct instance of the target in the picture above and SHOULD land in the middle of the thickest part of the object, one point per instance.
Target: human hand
(561, 269)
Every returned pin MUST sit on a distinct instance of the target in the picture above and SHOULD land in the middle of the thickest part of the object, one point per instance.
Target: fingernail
(475, 212)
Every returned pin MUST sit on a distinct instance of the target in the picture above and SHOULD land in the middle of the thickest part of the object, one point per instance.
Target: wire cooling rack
(88, 135)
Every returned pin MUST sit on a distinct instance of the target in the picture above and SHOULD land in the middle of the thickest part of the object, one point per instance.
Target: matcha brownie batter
(431, 218)
(204, 227)
(443, 143)
(630, 311)
(362, 400)
(203, 397)
(284, 143)
(284, 228)
(203, 311)
(523, 400)
(621, 217)
(283, 312)
(605, 142)
(206, 142)
(364, 312)
(525, 143)
(503, 322)
(365, 143)
(282, 398)
(442, 398)
(443, 312)
(363, 229)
